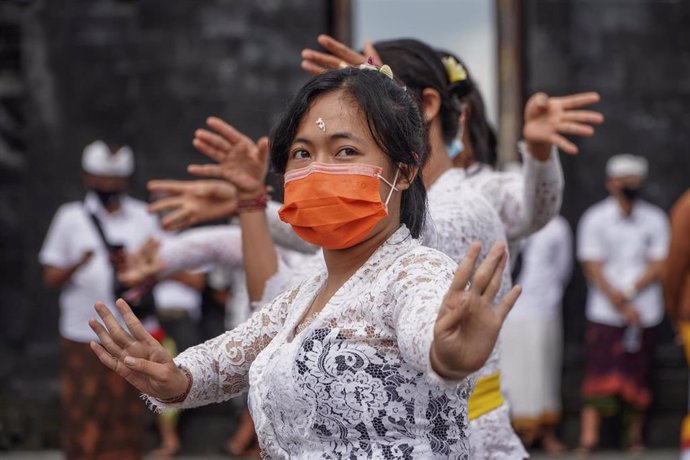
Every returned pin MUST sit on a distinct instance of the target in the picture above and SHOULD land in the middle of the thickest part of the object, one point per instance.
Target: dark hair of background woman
(418, 66)
(393, 119)
(482, 135)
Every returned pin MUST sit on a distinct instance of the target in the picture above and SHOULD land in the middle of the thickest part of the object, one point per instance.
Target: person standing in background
(533, 336)
(85, 247)
(622, 243)
(676, 281)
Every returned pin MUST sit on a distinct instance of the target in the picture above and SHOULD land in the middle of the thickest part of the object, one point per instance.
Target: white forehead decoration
(321, 124)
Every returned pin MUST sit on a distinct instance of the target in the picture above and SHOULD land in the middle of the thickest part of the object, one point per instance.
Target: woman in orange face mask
(370, 356)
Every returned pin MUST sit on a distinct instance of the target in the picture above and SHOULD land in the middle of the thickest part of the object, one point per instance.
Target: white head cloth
(97, 159)
(626, 164)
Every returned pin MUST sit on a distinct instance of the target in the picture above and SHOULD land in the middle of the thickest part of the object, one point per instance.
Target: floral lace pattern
(459, 215)
(526, 200)
(356, 382)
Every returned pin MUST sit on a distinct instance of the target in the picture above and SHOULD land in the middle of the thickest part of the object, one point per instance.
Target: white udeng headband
(97, 159)
(626, 164)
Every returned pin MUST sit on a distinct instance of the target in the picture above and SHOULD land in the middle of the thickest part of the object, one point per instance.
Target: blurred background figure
(622, 243)
(84, 249)
(677, 290)
(533, 335)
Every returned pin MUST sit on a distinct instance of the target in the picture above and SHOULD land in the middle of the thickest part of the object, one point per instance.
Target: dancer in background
(532, 336)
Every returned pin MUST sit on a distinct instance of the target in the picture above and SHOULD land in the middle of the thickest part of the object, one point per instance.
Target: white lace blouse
(525, 200)
(356, 382)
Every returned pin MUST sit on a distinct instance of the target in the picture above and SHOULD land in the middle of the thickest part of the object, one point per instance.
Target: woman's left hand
(548, 119)
(338, 56)
(467, 324)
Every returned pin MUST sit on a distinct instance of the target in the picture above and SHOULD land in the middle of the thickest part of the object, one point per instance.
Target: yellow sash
(486, 396)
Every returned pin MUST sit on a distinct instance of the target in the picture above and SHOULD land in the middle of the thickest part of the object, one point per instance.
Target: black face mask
(108, 198)
(630, 193)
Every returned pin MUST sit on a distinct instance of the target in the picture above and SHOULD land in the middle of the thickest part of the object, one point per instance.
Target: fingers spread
(103, 356)
(106, 341)
(312, 68)
(133, 323)
(119, 335)
(323, 60)
(465, 268)
(177, 220)
(168, 186)
(340, 50)
(165, 204)
(487, 268)
(574, 101)
(576, 129)
(584, 116)
(211, 151)
(205, 170)
(226, 130)
(496, 280)
(564, 144)
(507, 302)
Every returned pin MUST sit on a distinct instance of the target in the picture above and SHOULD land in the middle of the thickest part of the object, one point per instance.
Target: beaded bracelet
(255, 204)
(183, 396)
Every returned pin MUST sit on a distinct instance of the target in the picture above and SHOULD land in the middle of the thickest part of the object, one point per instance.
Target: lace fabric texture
(525, 200)
(459, 215)
(356, 382)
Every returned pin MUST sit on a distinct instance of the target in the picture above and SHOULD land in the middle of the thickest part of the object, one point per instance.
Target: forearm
(594, 273)
(193, 280)
(261, 261)
(197, 248)
(542, 192)
(57, 278)
(651, 274)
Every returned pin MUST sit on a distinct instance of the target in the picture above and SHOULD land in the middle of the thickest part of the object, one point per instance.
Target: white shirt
(547, 263)
(625, 245)
(356, 382)
(71, 234)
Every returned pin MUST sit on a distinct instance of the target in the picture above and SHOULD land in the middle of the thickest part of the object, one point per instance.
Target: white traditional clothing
(625, 245)
(532, 334)
(356, 381)
(72, 233)
(525, 201)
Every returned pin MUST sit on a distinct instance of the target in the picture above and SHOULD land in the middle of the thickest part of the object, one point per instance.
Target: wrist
(629, 292)
(540, 151)
(442, 369)
(253, 201)
(186, 387)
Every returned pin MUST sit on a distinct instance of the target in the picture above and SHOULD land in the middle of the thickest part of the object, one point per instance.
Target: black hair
(482, 134)
(418, 66)
(393, 119)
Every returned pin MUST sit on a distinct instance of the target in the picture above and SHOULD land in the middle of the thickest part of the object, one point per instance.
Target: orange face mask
(334, 206)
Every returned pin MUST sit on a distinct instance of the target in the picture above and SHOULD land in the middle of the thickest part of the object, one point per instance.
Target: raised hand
(337, 55)
(142, 265)
(548, 119)
(191, 202)
(135, 355)
(467, 325)
(239, 160)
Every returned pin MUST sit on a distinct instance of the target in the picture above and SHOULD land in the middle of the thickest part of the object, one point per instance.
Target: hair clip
(384, 69)
(371, 60)
(456, 72)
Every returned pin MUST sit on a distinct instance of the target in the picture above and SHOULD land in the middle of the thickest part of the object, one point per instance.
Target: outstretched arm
(244, 163)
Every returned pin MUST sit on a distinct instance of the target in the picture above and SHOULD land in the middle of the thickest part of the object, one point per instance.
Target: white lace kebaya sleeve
(528, 200)
(220, 366)
(200, 247)
(283, 234)
(421, 283)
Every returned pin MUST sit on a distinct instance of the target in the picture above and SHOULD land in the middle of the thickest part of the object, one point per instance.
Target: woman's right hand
(240, 160)
(135, 355)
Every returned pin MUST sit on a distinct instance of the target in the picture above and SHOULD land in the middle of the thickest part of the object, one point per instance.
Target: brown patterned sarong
(102, 415)
(612, 372)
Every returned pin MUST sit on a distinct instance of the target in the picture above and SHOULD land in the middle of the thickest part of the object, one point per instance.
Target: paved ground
(652, 455)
